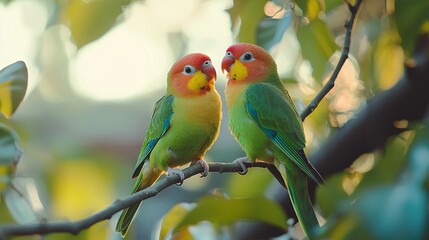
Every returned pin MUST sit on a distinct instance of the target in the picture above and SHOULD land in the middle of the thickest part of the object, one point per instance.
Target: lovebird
(184, 125)
(265, 122)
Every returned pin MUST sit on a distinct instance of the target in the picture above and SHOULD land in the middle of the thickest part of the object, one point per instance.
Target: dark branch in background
(407, 100)
(75, 227)
(344, 55)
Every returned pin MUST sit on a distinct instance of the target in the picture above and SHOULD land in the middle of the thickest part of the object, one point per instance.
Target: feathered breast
(203, 110)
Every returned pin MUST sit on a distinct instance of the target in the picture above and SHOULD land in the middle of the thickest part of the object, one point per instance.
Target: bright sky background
(22, 22)
(135, 56)
(131, 59)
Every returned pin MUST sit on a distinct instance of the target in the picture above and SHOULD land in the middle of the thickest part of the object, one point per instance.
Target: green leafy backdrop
(78, 154)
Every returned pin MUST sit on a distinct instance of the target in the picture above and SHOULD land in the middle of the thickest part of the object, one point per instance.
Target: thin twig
(74, 227)
(344, 55)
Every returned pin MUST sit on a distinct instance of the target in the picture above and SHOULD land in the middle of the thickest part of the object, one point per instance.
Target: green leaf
(311, 8)
(248, 13)
(346, 226)
(389, 59)
(89, 20)
(331, 195)
(317, 46)
(330, 4)
(409, 17)
(174, 216)
(13, 85)
(255, 184)
(270, 31)
(221, 212)
(9, 155)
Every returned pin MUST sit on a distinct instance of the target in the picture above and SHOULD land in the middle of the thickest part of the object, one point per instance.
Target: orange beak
(210, 72)
(226, 63)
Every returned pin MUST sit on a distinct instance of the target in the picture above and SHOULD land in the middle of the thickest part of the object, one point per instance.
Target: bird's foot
(241, 161)
(171, 171)
(205, 165)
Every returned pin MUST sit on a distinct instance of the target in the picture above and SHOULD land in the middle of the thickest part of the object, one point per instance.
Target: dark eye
(228, 54)
(247, 57)
(188, 69)
(207, 63)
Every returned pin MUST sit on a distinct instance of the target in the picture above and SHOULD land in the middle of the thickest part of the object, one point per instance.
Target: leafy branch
(344, 55)
(74, 227)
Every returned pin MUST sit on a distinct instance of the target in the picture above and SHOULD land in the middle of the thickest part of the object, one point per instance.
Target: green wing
(159, 124)
(273, 111)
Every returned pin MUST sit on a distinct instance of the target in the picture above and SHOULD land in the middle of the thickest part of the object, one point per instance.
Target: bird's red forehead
(194, 59)
(240, 48)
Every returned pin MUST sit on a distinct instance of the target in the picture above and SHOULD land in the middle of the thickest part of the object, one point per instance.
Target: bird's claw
(171, 171)
(241, 161)
(205, 165)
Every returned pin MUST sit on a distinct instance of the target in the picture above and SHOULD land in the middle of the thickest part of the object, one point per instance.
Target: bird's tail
(296, 181)
(145, 179)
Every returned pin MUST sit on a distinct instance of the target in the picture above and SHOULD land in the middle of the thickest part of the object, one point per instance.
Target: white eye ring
(207, 63)
(247, 57)
(188, 70)
(229, 54)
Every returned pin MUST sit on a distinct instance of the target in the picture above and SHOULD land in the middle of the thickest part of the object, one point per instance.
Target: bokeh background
(97, 67)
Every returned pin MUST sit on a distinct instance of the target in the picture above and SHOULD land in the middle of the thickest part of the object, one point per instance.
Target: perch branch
(344, 55)
(74, 227)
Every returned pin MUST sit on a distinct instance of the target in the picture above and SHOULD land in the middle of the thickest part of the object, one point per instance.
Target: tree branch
(75, 227)
(344, 55)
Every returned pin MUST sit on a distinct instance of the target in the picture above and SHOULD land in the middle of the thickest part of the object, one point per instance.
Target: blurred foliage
(70, 188)
(79, 154)
(270, 31)
(89, 20)
(245, 17)
(13, 85)
(312, 8)
(172, 218)
(258, 178)
(391, 201)
(9, 155)
(410, 27)
(319, 45)
(221, 211)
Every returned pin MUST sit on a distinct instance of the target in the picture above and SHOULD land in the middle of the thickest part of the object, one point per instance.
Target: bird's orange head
(247, 63)
(192, 75)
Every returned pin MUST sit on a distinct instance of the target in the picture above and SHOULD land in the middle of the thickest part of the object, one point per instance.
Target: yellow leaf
(174, 216)
(13, 85)
(5, 99)
(313, 9)
(389, 59)
(80, 188)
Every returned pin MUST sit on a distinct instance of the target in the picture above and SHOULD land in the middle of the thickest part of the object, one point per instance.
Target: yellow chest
(204, 109)
(233, 92)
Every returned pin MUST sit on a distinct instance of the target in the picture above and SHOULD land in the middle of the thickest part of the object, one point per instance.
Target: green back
(273, 111)
(159, 124)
